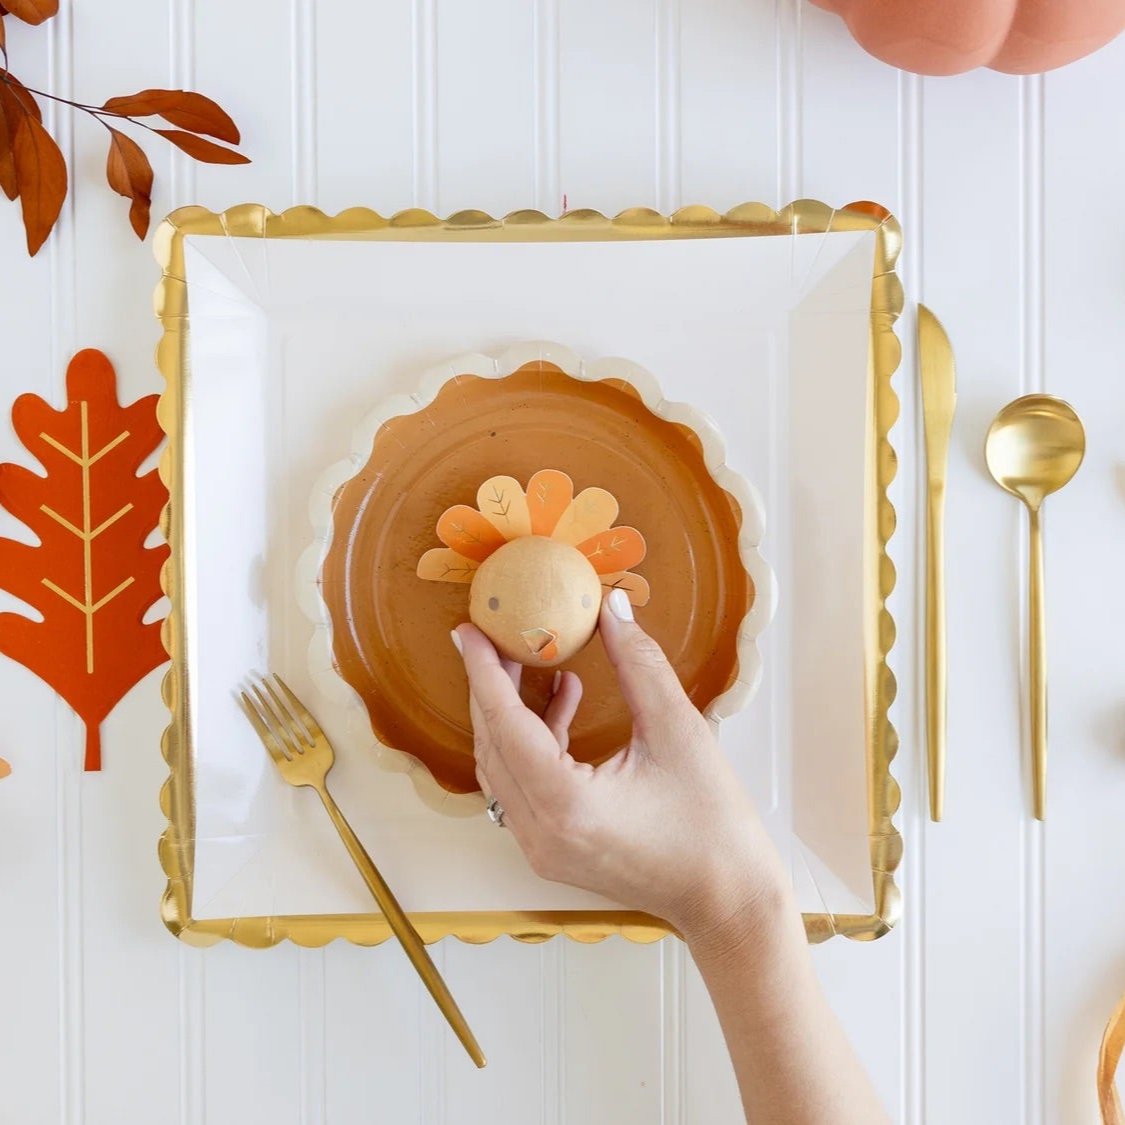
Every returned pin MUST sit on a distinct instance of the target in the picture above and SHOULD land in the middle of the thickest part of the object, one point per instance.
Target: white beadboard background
(986, 1004)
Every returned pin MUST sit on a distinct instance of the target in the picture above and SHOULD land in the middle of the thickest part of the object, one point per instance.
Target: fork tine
(299, 709)
(293, 725)
(276, 723)
(263, 731)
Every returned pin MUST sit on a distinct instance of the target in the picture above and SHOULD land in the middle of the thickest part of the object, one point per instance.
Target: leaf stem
(96, 111)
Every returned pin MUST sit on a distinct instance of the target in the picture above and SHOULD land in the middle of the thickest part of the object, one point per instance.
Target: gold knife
(939, 399)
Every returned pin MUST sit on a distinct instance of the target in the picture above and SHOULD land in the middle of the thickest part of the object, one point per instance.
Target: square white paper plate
(292, 341)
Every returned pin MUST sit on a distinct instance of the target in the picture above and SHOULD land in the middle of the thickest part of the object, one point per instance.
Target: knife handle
(935, 648)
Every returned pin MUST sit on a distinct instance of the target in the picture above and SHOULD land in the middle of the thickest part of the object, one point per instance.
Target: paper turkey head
(538, 562)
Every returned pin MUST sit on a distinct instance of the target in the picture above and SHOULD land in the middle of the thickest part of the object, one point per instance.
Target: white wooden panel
(364, 127)
(31, 1045)
(245, 59)
(728, 103)
(253, 1035)
(485, 106)
(613, 1023)
(1085, 530)
(500, 988)
(374, 1005)
(974, 1067)
(128, 956)
(607, 104)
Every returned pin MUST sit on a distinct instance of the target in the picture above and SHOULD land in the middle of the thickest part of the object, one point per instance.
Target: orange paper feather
(469, 533)
(619, 548)
(549, 493)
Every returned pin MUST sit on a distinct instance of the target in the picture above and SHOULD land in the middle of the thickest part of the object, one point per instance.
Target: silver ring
(495, 812)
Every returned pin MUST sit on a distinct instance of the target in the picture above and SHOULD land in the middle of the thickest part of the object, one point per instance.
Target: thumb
(648, 682)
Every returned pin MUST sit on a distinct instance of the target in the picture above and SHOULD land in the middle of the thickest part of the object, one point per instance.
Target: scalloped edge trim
(803, 216)
(332, 685)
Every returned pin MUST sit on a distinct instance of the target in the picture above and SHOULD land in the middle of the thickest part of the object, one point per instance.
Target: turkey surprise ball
(537, 600)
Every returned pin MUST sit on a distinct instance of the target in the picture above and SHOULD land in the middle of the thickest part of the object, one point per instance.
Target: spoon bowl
(1034, 447)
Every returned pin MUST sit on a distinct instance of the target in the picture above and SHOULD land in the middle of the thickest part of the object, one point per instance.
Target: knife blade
(939, 403)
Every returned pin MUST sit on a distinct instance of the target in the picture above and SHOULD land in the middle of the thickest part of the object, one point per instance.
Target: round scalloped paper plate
(382, 644)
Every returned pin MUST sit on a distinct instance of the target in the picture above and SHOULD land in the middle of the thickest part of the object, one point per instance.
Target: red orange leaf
(15, 103)
(468, 532)
(182, 108)
(617, 549)
(41, 177)
(19, 99)
(32, 11)
(199, 149)
(8, 183)
(130, 174)
(90, 577)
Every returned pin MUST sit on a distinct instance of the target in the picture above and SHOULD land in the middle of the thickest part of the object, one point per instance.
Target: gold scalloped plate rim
(321, 661)
(248, 220)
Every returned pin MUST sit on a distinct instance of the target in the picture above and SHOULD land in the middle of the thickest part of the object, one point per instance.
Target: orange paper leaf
(90, 578)
(182, 108)
(620, 548)
(32, 11)
(41, 176)
(468, 533)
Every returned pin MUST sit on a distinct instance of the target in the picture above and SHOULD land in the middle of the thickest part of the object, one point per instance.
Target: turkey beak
(538, 640)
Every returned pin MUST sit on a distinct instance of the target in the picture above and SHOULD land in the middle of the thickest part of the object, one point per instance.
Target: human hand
(664, 826)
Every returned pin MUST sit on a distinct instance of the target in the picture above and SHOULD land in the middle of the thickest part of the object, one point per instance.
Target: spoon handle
(1037, 667)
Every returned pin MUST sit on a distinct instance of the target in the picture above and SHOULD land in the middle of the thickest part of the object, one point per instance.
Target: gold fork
(304, 756)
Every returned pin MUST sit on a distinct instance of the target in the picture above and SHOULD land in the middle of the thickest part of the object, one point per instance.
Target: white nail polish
(619, 605)
(455, 637)
(555, 683)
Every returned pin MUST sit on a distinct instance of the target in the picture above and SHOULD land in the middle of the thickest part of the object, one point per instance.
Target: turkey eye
(587, 601)
(493, 603)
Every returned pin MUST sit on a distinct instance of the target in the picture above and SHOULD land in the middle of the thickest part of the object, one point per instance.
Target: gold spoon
(1034, 447)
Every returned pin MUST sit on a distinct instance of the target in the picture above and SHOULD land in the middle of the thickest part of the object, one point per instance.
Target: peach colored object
(390, 631)
(953, 36)
(537, 600)
(5, 769)
(537, 560)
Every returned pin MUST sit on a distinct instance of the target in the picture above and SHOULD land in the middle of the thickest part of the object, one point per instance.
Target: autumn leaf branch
(33, 169)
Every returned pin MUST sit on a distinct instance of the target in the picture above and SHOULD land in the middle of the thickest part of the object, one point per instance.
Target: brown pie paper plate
(386, 630)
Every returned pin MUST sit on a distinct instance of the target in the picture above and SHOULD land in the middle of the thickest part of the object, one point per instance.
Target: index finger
(520, 739)
(493, 687)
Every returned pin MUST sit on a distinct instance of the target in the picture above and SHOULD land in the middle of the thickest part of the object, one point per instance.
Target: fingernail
(619, 605)
(455, 637)
(555, 683)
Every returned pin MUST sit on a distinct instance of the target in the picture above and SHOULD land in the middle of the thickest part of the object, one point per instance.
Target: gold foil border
(749, 219)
